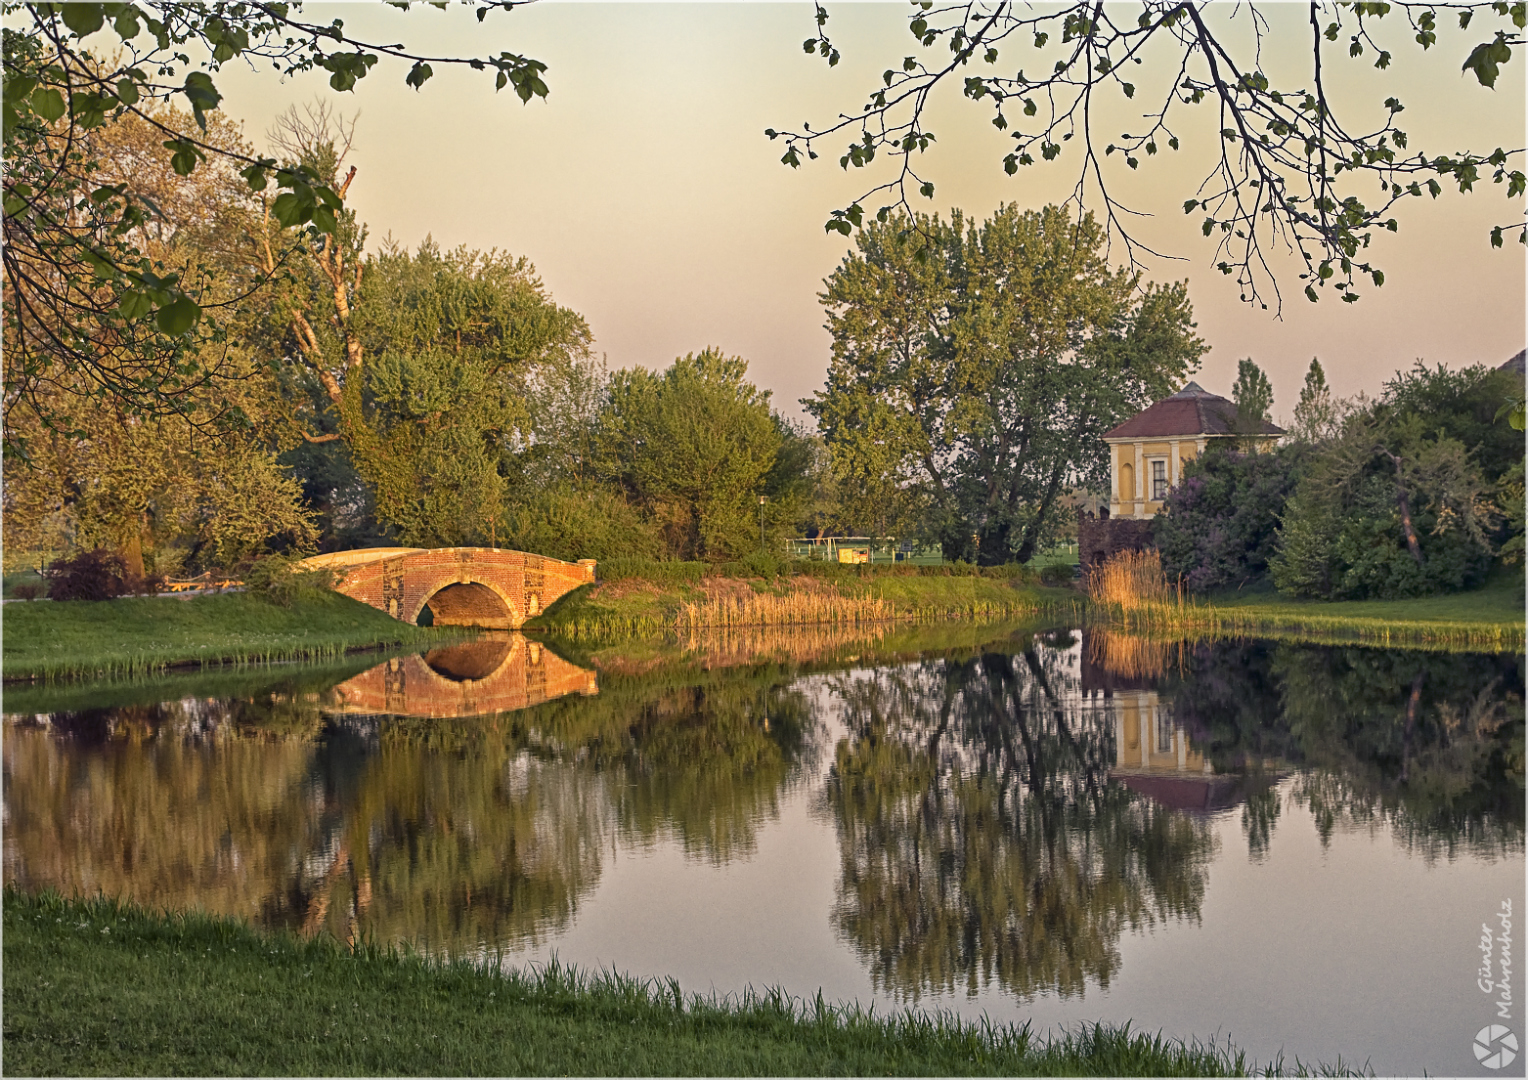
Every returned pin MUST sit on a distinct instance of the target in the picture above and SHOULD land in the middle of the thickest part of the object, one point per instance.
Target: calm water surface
(1291, 846)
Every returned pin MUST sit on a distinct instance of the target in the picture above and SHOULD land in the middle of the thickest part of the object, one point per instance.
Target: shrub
(276, 579)
(759, 564)
(100, 574)
(659, 573)
(564, 523)
(1219, 526)
(1056, 574)
(27, 592)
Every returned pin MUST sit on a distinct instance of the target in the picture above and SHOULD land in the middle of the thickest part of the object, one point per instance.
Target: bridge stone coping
(464, 586)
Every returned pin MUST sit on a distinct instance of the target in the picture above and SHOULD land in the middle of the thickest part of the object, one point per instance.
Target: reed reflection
(981, 840)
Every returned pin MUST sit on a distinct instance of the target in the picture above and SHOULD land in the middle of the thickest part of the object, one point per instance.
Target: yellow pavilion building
(1147, 452)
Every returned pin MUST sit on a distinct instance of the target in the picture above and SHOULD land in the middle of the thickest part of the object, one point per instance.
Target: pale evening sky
(650, 201)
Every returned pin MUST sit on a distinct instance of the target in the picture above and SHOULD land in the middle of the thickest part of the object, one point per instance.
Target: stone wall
(1099, 538)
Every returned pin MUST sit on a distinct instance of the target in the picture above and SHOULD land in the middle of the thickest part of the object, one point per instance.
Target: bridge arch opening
(470, 604)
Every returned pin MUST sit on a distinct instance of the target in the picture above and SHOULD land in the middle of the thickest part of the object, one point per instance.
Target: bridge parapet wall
(489, 587)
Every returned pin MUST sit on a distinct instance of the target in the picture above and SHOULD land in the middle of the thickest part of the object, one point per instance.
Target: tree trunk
(1032, 530)
(132, 549)
(1403, 500)
(1413, 705)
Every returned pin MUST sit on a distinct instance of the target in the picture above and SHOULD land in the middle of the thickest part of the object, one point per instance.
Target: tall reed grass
(1133, 656)
(1133, 581)
(722, 646)
(767, 609)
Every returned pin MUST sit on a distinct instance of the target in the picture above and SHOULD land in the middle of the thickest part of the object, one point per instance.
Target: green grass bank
(139, 636)
(1488, 619)
(97, 987)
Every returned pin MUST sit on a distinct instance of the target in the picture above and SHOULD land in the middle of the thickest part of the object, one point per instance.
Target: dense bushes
(98, 574)
(279, 580)
(1218, 526)
(1406, 498)
(569, 524)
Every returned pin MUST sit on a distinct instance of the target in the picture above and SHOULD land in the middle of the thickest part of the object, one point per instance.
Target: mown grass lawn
(1500, 599)
(1488, 617)
(94, 987)
(81, 639)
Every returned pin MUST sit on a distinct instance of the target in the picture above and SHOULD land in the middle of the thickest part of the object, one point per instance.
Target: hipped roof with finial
(1190, 413)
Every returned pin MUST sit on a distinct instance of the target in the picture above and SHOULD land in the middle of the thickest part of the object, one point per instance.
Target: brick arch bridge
(463, 586)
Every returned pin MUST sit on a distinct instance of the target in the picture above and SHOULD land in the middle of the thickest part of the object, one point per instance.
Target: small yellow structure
(1147, 452)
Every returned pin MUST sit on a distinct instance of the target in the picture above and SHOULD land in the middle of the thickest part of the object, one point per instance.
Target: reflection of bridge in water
(494, 674)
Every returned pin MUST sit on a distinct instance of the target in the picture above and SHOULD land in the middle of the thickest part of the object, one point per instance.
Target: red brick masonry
(488, 587)
(1100, 539)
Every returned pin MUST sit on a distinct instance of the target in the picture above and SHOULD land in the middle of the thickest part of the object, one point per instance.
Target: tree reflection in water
(1426, 744)
(449, 832)
(980, 838)
(1004, 813)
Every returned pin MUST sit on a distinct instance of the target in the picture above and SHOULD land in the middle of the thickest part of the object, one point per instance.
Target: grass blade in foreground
(102, 987)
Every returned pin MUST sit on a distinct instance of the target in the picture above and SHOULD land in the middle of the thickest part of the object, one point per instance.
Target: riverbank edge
(634, 607)
(1487, 619)
(138, 636)
(1318, 629)
(101, 986)
(130, 638)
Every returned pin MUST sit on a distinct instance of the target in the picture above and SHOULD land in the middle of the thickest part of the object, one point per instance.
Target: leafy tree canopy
(1252, 393)
(697, 446)
(1317, 414)
(1405, 500)
(81, 290)
(430, 418)
(975, 365)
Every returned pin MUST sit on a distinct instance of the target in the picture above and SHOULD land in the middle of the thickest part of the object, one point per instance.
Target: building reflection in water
(1153, 755)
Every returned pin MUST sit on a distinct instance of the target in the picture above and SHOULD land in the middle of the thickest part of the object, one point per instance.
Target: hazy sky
(650, 201)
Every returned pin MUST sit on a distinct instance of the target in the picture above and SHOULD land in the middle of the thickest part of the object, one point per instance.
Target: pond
(1293, 846)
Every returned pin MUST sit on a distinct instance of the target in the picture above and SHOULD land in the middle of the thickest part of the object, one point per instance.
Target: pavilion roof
(1191, 412)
